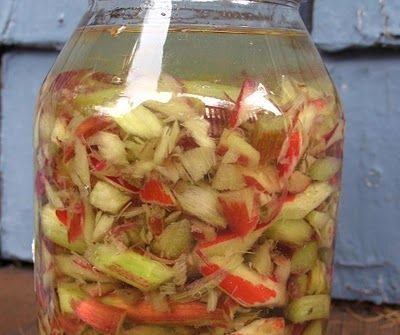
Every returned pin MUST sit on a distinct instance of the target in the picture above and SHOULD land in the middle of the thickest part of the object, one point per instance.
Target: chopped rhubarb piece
(309, 307)
(110, 147)
(235, 149)
(40, 183)
(73, 221)
(108, 198)
(291, 155)
(105, 319)
(271, 326)
(228, 178)
(129, 266)
(97, 165)
(191, 313)
(174, 240)
(139, 122)
(199, 131)
(81, 165)
(79, 268)
(57, 232)
(241, 112)
(155, 192)
(264, 179)
(325, 168)
(241, 210)
(122, 184)
(71, 325)
(201, 202)
(268, 136)
(293, 232)
(92, 125)
(229, 244)
(299, 205)
(298, 182)
(198, 162)
(167, 143)
(75, 224)
(245, 286)
(68, 295)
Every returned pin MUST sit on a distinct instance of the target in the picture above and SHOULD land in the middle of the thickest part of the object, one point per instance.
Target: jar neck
(257, 14)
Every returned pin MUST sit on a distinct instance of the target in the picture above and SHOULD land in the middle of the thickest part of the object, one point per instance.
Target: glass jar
(188, 159)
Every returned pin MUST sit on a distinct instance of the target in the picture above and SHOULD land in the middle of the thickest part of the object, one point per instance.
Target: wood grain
(17, 310)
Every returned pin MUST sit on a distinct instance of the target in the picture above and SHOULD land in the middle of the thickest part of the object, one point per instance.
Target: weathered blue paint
(22, 74)
(368, 266)
(45, 23)
(340, 24)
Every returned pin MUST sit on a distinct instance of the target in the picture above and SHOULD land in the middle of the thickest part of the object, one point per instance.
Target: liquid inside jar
(186, 184)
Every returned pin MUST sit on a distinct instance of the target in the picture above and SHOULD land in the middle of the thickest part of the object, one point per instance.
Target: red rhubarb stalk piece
(74, 222)
(241, 209)
(39, 183)
(70, 325)
(241, 290)
(290, 158)
(156, 225)
(92, 125)
(240, 112)
(191, 313)
(122, 184)
(155, 192)
(104, 318)
(97, 165)
(68, 153)
(320, 103)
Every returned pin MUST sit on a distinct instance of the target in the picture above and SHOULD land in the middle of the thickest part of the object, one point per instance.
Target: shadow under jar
(188, 160)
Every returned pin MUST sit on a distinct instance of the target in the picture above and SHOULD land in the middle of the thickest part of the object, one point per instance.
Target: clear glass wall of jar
(188, 161)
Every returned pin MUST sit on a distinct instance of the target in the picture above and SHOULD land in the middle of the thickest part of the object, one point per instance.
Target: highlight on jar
(210, 213)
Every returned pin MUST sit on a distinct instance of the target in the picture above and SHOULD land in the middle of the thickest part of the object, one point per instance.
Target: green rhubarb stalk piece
(81, 165)
(303, 203)
(304, 258)
(298, 285)
(57, 232)
(79, 268)
(129, 267)
(139, 122)
(88, 223)
(108, 198)
(111, 147)
(175, 239)
(209, 89)
(198, 162)
(324, 226)
(309, 307)
(228, 178)
(295, 232)
(177, 108)
(68, 295)
(96, 98)
(298, 182)
(201, 202)
(104, 223)
(318, 282)
(268, 136)
(314, 328)
(261, 260)
(325, 168)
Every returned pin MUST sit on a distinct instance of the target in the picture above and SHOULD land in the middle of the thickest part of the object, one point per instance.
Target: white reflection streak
(259, 99)
(147, 57)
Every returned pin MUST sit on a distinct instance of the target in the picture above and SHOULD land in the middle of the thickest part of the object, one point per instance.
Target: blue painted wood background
(367, 75)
